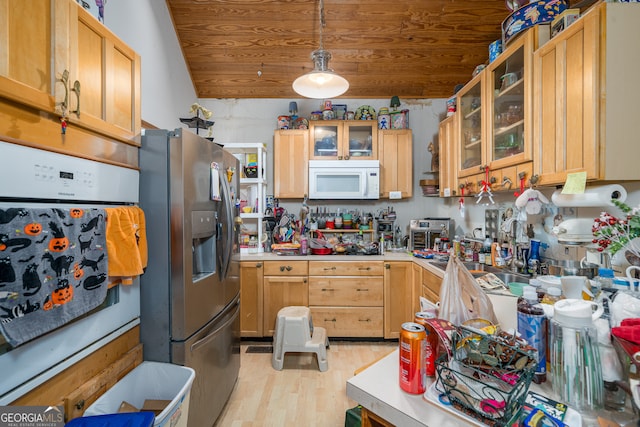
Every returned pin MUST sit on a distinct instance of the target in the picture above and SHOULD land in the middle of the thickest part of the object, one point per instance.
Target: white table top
(377, 388)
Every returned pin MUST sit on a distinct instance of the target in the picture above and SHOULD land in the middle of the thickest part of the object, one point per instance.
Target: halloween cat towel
(53, 268)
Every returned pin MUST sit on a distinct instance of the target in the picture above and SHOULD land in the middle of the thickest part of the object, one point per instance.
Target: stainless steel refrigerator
(190, 291)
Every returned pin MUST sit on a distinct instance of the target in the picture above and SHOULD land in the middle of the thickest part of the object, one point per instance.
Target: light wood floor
(299, 395)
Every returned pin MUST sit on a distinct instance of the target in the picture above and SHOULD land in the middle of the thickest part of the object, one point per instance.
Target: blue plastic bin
(129, 419)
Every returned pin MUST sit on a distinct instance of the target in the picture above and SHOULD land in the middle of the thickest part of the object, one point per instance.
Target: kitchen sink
(478, 270)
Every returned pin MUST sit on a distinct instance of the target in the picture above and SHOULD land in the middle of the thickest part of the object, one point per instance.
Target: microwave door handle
(365, 190)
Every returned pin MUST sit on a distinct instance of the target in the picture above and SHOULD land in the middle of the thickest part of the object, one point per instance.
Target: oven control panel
(39, 174)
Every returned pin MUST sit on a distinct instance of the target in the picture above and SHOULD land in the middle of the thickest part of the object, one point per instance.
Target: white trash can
(151, 380)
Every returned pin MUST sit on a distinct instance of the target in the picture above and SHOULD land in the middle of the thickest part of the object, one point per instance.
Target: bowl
(247, 209)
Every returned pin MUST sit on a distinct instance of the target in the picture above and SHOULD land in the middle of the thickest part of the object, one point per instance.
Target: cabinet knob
(80, 404)
(282, 268)
(258, 265)
(289, 268)
(387, 266)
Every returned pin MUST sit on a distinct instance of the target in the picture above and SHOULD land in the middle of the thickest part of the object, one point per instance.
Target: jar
(253, 245)
(327, 115)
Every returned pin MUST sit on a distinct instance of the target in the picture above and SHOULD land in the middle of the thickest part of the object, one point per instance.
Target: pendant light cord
(322, 22)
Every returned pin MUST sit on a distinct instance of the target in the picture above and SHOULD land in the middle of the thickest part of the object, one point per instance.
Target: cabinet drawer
(349, 321)
(346, 291)
(431, 281)
(286, 268)
(345, 268)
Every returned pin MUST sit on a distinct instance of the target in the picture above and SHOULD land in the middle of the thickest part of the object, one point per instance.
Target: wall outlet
(395, 194)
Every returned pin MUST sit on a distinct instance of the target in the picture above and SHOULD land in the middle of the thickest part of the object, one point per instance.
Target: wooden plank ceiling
(409, 48)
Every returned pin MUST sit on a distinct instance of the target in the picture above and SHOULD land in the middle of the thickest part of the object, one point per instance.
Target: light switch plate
(395, 194)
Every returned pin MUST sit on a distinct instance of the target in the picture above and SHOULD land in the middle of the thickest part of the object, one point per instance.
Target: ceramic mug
(572, 286)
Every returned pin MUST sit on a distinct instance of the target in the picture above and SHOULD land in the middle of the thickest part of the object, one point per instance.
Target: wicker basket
(494, 391)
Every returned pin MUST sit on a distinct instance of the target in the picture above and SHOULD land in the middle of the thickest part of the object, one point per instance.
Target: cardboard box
(155, 405)
(563, 20)
(126, 407)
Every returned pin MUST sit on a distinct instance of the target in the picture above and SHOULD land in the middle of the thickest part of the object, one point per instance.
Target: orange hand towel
(126, 241)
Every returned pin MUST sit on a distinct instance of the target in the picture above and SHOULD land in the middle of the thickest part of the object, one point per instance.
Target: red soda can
(412, 366)
(431, 344)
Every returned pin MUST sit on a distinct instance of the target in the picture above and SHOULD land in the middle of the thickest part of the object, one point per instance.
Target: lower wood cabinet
(285, 283)
(398, 296)
(431, 285)
(251, 298)
(346, 298)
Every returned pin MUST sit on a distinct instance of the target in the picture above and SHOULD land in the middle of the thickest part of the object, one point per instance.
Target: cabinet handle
(79, 404)
(339, 157)
(258, 265)
(282, 268)
(364, 320)
(76, 89)
(289, 268)
(346, 157)
(329, 268)
(364, 268)
(329, 320)
(362, 290)
(327, 289)
(65, 82)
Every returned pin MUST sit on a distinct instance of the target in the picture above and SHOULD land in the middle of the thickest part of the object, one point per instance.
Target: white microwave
(344, 179)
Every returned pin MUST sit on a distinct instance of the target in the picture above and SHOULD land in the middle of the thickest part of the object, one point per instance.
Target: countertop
(377, 389)
(388, 256)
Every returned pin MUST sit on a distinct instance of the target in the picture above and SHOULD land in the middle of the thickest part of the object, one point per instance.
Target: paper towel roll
(592, 196)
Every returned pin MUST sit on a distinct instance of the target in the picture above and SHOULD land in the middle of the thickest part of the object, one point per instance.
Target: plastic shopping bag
(461, 298)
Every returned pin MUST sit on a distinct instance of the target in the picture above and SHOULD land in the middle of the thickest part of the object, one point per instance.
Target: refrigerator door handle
(228, 243)
(213, 333)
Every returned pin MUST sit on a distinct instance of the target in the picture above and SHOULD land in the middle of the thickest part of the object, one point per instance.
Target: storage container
(151, 380)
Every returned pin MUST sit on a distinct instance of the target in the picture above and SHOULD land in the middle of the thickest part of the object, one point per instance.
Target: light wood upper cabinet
(27, 72)
(470, 128)
(396, 161)
(447, 142)
(343, 140)
(291, 163)
(108, 74)
(508, 107)
(59, 59)
(586, 104)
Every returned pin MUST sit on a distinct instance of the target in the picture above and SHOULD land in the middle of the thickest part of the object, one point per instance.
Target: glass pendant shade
(322, 82)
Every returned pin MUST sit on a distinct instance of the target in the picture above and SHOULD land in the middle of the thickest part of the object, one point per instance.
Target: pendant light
(322, 82)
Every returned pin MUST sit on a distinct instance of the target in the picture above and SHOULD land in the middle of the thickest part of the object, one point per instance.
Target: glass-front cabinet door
(509, 95)
(324, 140)
(344, 140)
(471, 142)
(362, 137)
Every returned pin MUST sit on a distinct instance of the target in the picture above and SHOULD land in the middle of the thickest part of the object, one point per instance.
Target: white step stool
(295, 333)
